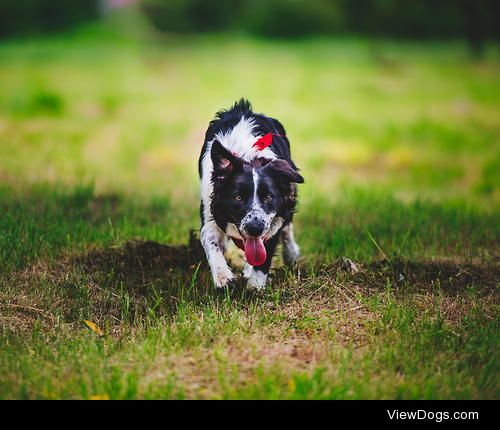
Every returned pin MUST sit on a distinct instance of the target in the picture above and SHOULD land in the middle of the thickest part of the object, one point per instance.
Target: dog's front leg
(291, 251)
(213, 240)
(257, 275)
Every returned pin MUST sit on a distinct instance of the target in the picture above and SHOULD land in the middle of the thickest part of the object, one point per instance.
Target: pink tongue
(255, 251)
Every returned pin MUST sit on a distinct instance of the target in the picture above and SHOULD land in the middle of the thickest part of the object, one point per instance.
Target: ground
(104, 292)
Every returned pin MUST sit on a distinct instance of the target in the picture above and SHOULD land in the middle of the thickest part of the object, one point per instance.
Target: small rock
(348, 265)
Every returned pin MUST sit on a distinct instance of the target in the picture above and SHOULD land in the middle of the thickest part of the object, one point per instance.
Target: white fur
(276, 224)
(247, 270)
(232, 231)
(291, 251)
(214, 240)
(257, 279)
(240, 140)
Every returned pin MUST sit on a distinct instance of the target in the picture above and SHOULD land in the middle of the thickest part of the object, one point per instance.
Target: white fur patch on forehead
(240, 140)
(255, 177)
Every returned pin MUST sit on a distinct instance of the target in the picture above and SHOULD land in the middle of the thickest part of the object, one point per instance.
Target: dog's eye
(238, 197)
(268, 198)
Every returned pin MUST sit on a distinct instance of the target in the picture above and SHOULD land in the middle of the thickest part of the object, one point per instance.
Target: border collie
(248, 193)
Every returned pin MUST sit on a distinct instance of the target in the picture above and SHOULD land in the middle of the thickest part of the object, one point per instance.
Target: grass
(397, 296)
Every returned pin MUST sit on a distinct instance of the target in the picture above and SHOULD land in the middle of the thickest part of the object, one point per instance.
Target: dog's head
(251, 195)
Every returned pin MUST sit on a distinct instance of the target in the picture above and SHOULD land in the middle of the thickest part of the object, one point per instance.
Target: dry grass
(99, 281)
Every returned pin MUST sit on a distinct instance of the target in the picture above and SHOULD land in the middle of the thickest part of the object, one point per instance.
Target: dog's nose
(255, 227)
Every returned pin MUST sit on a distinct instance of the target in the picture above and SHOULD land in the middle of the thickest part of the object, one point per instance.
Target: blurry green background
(393, 112)
(389, 99)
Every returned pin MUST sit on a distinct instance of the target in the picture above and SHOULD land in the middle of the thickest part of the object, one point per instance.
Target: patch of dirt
(243, 360)
(142, 259)
(126, 283)
(450, 276)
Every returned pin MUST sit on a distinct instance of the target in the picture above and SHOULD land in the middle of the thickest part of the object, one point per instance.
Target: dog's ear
(282, 169)
(223, 160)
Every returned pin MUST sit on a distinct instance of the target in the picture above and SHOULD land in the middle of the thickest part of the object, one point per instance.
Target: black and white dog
(248, 193)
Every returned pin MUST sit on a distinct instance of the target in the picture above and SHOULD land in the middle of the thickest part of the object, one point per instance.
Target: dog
(248, 193)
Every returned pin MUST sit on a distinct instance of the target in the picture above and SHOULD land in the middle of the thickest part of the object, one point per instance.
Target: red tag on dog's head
(263, 142)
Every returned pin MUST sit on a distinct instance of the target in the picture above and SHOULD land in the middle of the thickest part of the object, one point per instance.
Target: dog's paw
(291, 254)
(257, 280)
(247, 271)
(222, 276)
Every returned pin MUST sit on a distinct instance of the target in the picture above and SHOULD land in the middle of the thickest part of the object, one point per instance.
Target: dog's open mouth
(255, 251)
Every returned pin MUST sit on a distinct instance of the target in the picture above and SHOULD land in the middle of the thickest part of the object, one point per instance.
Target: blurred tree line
(475, 20)
(26, 17)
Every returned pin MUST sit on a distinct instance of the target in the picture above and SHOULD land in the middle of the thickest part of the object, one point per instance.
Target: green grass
(399, 143)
